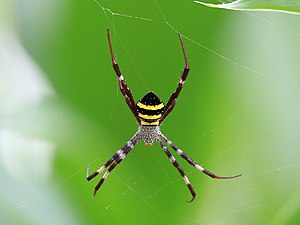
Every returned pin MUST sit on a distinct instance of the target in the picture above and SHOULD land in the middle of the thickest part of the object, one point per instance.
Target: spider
(149, 113)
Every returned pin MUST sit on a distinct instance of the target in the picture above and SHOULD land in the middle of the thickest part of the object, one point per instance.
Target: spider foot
(212, 175)
(189, 201)
(88, 175)
(98, 186)
(87, 171)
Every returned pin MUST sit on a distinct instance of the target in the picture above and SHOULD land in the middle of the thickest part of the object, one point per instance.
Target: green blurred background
(61, 109)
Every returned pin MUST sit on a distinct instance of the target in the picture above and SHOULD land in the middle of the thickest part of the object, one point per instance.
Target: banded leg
(194, 164)
(172, 100)
(113, 161)
(122, 83)
(107, 164)
(176, 165)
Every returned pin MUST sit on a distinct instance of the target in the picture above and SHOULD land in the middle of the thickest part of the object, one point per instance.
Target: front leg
(172, 100)
(122, 83)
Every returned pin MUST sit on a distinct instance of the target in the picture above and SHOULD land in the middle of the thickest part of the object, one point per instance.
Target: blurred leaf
(258, 5)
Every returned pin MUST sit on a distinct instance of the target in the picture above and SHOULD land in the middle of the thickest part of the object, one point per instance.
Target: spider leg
(107, 164)
(113, 161)
(194, 164)
(172, 100)
(176, 165)
(122, 83)
(116, 162)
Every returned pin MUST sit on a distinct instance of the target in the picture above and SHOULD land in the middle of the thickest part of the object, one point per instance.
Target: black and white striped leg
(113, 161)
(176, 165)
(107, 164)
(194, 164)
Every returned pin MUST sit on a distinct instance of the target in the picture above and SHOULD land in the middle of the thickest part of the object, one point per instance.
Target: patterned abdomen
(150, 109)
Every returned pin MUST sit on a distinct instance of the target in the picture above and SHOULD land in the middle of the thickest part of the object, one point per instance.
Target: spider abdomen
(150, 109)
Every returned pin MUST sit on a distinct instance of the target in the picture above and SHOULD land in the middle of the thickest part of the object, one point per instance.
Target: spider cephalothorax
(149, 113)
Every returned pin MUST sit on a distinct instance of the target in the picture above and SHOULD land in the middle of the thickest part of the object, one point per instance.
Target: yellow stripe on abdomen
(149, 117)
(150, 107)
(145, 123)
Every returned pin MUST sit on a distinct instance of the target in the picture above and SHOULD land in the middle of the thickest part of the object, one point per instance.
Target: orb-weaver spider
(149, 113)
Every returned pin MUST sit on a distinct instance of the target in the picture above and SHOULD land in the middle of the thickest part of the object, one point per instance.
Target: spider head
(150, 109)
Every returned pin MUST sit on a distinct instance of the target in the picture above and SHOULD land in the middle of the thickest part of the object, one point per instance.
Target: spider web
(246, 197)
(263, 106)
